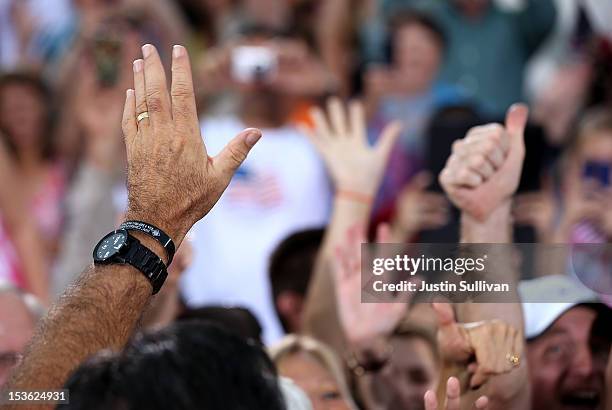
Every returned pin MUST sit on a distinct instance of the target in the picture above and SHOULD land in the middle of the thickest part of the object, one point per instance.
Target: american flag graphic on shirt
(254, 189)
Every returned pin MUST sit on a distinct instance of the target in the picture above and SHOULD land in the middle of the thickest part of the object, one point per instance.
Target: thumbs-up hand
(487, 348)
(484, 168)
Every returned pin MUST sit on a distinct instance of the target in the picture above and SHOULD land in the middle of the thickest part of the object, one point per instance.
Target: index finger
(184, 109)
(156, 90)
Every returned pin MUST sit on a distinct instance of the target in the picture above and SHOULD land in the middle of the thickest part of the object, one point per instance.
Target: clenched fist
(172, 182)
(484, 168)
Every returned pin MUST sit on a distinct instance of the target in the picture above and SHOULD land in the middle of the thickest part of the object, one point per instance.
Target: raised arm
(480, 178)
(23, 231)
(172, 183)
(356, 169)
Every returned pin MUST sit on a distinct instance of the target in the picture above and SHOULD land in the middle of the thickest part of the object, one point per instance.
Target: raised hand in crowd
(480, 178)
(356, 169)
(172, 183)
(418, 210)
(453, 399)
(99, 117)
(485, 167)
(340, 137)
(488, 348)
(364, 324)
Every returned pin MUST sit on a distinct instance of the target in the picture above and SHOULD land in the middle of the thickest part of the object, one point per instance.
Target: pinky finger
(128, 124)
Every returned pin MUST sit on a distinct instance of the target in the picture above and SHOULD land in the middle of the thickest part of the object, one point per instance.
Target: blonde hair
(293, 344)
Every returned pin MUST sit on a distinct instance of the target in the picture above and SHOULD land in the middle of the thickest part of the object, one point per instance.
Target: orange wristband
(356, 196)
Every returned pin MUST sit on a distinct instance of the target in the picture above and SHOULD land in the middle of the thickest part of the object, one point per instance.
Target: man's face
(16, 329)
(567, 365)
(412, 370)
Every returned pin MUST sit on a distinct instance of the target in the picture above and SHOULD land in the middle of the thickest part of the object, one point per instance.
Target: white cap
(559, 292)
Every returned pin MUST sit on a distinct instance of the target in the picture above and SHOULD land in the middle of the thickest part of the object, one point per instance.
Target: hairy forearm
(100, 311)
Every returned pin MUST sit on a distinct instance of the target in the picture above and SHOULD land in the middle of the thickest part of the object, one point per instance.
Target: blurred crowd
(436, 68)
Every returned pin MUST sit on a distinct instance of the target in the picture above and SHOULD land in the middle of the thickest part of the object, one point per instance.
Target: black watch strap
(122, 248)
(155, 233)
(147, 262)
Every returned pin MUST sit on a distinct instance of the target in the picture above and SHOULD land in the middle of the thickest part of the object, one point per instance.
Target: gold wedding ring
(142, 116)
(513, 359)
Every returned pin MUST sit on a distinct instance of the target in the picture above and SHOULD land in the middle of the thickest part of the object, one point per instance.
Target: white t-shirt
(282, 187)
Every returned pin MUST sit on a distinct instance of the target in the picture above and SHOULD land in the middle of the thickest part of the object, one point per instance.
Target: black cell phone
(598, 171)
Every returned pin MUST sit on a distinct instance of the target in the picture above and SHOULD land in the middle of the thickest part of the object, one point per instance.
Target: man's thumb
(516, 120)
(444, 313)
(236, 151)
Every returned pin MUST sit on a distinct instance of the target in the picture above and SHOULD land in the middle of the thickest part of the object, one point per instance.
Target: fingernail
(177, 51)
(147, 49)
(253, 136)
(138, 65)
(129, 92)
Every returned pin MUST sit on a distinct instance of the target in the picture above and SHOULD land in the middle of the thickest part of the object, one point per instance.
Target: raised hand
(495, 345)
(362, 322)
(453, 398)
(341, 139)
(172, 182)
(485, 167)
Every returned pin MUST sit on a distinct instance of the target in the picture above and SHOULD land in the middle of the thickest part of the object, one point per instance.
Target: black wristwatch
(121, 247)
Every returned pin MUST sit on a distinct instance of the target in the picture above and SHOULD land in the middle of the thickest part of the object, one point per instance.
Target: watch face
(111, 245)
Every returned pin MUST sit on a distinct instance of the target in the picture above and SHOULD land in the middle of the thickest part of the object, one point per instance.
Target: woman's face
(22, 116)
(312, 377)
(417, 55)
(412, 370)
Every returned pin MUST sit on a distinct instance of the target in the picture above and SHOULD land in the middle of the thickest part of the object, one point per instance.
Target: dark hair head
(292, 262)
(237, 320)
(187, 366)
(405, 18)
(33, 82)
